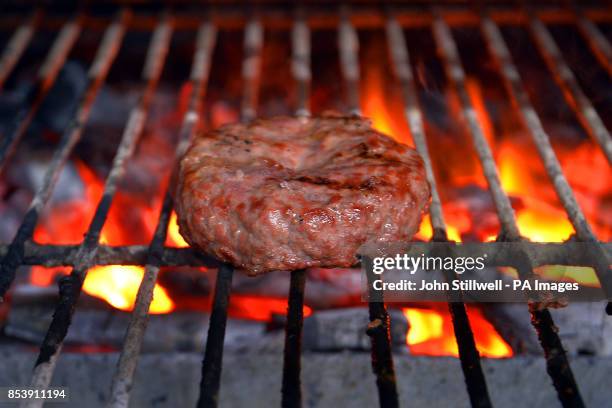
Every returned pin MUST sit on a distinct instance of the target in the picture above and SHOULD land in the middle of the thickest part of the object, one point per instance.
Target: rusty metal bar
(71, 285)
(470, 358)
(300, 64)
(128, 359)
(348, 46)
(579, 102)
(251, 68)
(454, 71)
(378, 327)
(597, 41)
(17, 45)
(213, 355)
(278, 18)
(403, 71)
(45, 78)
(512, 80)
(97, 73)
(378, 330)
(556, 360)
(292, 387)
(65, 255)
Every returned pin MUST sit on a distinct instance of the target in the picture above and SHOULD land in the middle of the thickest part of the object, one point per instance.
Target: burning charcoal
(325, 288)
(513, 322)
(57, 108)
(178, 331)
(183, 281)
(345, 329)
(97, 324)
(29, 175)
(23, 179)
(11, 101)
(583, 327)
(12, 209)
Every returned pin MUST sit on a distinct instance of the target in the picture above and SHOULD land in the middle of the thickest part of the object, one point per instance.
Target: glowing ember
(431, 333)
(118, 285)
(259, 307)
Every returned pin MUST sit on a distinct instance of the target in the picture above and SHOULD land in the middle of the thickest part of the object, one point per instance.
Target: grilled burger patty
(287, 193)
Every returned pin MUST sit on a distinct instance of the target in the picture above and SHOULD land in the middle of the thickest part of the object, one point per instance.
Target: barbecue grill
(297, 20)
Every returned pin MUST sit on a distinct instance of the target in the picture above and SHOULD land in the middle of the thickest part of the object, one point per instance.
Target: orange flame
(538, 220)
(118, 286)
(175, 238)
(431, 333)
(387, 116)
(379, 110)
(115, 284)
(539, 215)
(425, 232)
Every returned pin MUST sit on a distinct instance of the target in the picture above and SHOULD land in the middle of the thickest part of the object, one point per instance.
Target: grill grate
(45, 78)
(542, 321)
(470, 359)
(22, 251)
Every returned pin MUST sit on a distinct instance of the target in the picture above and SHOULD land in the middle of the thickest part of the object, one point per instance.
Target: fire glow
(539, 215)
(431, 333)
(118, 285)
(115, 284)
(539, 218)
(260, 308)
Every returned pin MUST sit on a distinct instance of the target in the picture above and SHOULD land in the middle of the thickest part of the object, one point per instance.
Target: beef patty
(287, 193)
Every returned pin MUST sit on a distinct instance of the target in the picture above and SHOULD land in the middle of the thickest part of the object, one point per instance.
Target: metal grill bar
(348, 46)
(379, 331)
(379, 325)
(97, 73)
(597, 41)
(128, 359)
(65, 255)
(155, 256)
(470, 358)
(213, 354)
(251, 68)
(512, 80)
(17, 45)
(414, 117)
(45, 78)
(70, 286)
(557, 363)
(454, 71)
(300, 64)
(292, 387)
(275, 16)
(571, 89)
